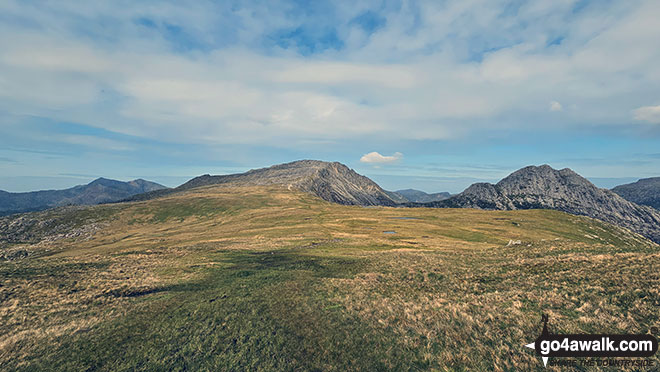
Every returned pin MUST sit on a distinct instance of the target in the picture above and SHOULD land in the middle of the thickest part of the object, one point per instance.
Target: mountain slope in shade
(546, 188)
(396, 197)
(417, 196)
(334, 182)
(101, 190)
(643, 192)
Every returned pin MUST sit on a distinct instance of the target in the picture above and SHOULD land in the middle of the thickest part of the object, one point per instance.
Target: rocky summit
(643, 192)
(546, 188)
(331, 181)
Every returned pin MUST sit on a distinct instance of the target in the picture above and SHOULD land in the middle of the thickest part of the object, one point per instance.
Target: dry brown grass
(445, 287)
(484, 305)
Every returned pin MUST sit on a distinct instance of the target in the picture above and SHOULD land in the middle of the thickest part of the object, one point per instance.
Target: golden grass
(445, 284)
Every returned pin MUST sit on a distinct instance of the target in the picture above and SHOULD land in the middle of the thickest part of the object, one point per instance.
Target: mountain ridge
(418, 196)
(532, 187)
(101, 190)
(331, 181)
(543, 187)
(645, 191)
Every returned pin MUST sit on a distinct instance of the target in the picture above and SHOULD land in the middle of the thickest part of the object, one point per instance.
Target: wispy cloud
(331, 77)
(160, 73)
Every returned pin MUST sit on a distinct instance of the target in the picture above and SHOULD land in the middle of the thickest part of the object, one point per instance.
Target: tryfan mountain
(543, 187)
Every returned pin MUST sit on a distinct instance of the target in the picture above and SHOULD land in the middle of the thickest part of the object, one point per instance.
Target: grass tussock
(269, 279)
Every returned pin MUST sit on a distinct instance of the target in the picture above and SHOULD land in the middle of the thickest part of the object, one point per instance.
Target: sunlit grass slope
(267, 279)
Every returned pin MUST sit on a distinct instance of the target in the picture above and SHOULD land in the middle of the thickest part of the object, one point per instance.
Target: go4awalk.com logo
(549, 345)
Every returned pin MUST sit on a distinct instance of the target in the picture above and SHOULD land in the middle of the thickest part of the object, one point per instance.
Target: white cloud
(649, 114)
(376, 158)
(555, 106)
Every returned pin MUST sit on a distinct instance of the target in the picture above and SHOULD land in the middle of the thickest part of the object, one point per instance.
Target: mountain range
(417, 196)
(333, 182)
(546, 188)
(533, 187)
(101, 190)
(231, 278)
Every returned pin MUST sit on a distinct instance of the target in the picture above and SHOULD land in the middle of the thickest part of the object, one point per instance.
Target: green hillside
(263, 278)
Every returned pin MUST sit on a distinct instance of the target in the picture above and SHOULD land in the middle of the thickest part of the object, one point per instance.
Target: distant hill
(546, 188)
(396, 197)
(334, 182)
(101, 190)
(417, 196)
(644, 192)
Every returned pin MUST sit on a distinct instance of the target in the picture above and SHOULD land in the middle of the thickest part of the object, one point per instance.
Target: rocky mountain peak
(542, 178)
(646, 191)
(331, 181)
(543, 187)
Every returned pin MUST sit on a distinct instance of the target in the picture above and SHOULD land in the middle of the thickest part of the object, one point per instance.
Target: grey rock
(13, 254)
(333, 182)
(49, 226)
(546, 188)
(643, 192)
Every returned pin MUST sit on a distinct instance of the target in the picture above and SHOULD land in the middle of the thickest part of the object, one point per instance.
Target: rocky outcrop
(333, 182)
(643, 192)
(51, 225)
(546, 188)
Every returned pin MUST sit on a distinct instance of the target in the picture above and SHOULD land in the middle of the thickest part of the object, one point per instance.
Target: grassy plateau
(267, 279)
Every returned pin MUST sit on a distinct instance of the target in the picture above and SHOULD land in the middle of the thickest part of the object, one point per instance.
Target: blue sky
(431, 95)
